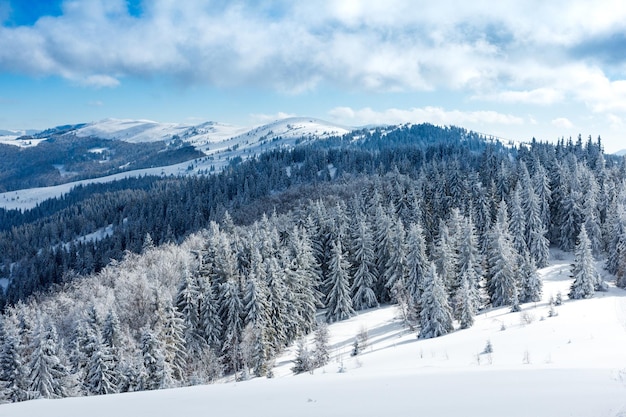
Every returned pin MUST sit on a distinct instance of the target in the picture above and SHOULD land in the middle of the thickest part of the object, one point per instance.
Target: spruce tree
(154, 375)
(417, 266)
(502, 260)
(583, 270)
(338, 303)
(436, 314)
(48, 375)
(13, 372)
(364, 268)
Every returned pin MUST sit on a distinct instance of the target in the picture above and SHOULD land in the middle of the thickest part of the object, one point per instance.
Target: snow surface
(569, 365)
(134, 131)
(220, 143)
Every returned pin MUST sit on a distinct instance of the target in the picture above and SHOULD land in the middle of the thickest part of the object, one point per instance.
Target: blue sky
(515, 69)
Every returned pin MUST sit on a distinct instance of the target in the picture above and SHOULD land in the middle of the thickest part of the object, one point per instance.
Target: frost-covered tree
(517, 225)
(321, 356)
(188, 303)
(48, 376)
(210, 320)
(417, 265)
(338, 302)
(172, 335)
(395, 269)
(232, 312)
(502, 260)
(583, 270)
(101, 375)
(445, 258)
(13, 372)
(436, 314)
(531, 285)
(153, 375)
(303, 361)
(364, 267)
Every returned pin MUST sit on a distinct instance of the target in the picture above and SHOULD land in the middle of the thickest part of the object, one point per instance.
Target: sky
(512, 69)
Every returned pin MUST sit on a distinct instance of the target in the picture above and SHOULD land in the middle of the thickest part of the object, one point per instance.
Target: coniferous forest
(200, 277)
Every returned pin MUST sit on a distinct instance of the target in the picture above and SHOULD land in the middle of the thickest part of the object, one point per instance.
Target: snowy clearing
(572, 364)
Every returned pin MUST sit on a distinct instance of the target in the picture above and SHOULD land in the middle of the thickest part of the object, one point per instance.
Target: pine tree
(445, 258)
(321, 356)
(503, 268)
(466, 300)
(395, 268)
(517, 225)
(417, 266)
(13, 372)
(338, 303)
(172, 335)
(188, 303)
(583, 271)
(232, 318)
(154, 376)
(101, 377)
(303, 361)
(436, 314)
(531, 285)
(210, 321)
(48, 375)
(364, 268)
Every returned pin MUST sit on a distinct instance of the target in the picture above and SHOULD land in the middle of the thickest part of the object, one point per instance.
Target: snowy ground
(573, 364)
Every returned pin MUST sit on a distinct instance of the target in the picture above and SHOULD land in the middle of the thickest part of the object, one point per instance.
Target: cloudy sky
(514, 69)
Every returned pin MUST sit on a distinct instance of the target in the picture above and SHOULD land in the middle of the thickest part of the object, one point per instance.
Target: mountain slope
(568, 365)
(221, 143)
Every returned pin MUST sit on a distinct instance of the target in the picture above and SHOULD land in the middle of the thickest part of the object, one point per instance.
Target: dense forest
(206, 276)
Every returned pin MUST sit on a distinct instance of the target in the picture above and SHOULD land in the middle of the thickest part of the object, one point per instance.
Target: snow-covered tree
(338, 303)
(48, 376)
(583, 270)
(531, 285)
(436, 314)
(364, 267)
(172, 335)
(232, 318)
(303, 361)
(417, 265)
(502, 260)
(153, 375)
(101, 375)
(13, 372)
(321, 356)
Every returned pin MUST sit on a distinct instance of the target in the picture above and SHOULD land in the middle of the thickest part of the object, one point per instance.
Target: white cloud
(434, 115)
(541, 96)
(509, 52)
(99, 81)
(266, 118)
(562, 123)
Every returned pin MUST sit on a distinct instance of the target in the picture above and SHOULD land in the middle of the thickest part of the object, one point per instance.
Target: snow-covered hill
(572, 364)
(621, 153)
(131, 130)
(221, 143)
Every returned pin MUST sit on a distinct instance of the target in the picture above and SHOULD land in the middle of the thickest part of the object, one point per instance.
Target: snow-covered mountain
(219, 142)
(570, 364)
(210, 132)
(621, 153)
(131, 130)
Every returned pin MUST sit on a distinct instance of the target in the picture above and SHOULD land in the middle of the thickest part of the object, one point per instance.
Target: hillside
(56, 161)
(571, 364)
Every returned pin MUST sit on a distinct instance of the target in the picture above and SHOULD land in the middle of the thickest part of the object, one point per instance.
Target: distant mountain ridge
(70, 153)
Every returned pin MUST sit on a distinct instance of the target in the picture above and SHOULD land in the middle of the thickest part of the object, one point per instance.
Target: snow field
(572, 364)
